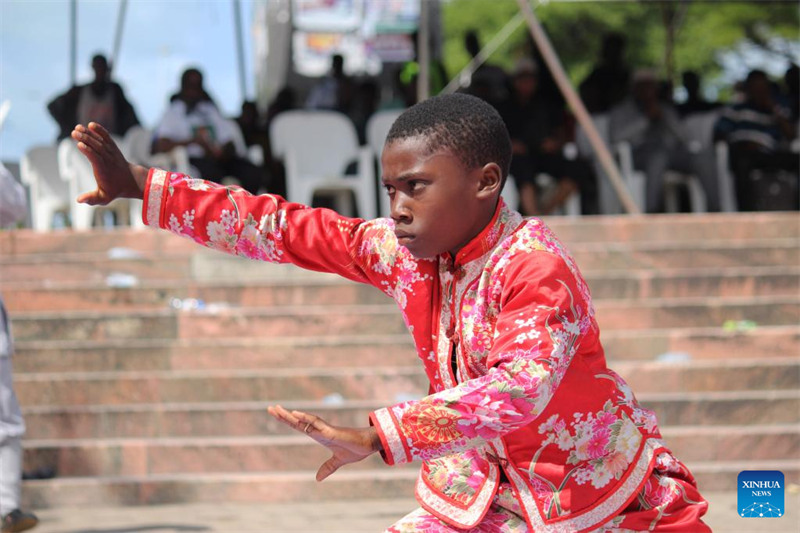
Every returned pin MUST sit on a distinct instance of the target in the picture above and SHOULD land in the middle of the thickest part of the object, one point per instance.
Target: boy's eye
(389, 189)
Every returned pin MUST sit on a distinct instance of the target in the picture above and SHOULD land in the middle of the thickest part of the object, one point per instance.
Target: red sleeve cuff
(394, 451)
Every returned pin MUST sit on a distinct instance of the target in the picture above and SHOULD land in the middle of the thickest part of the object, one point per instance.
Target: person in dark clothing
(791, 93)
(102, 101)
(695, 103)
(758, 132)
(488, 82)
(607, 85)
(193, 120)
(538, 134)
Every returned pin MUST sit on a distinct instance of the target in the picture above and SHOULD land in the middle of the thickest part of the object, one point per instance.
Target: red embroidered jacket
(506, 333)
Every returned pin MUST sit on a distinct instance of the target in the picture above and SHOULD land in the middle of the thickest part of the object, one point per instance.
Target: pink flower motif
(656, 494)
(248, 248)
(616, 463)
(597, 445)
(486, 415)
(604, 419)
(475, 480)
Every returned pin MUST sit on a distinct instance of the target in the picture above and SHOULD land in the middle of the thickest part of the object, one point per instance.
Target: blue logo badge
(761, 494)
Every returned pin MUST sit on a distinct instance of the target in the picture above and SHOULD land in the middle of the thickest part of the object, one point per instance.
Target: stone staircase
(145, 364)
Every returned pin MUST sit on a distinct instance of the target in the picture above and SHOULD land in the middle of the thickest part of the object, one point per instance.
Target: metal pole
(114, 59)
(73, 42)
(574, 101)
(237, 19)
(423, 52)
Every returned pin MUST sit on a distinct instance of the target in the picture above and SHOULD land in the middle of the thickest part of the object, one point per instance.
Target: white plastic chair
(77, 172)
(699, 131)
(510, 193)
(316, 147)
(378, 127)
(49, 194)
(137, 147)
(633, 179)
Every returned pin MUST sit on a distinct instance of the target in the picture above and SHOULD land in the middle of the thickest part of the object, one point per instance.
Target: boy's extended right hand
(115, 177)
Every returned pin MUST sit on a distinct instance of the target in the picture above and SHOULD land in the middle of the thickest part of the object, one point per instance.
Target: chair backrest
(74, 168)
(582, 139)
(378, 128)
(137, 146)
(39, 170)
(322, 143)
(699, 130)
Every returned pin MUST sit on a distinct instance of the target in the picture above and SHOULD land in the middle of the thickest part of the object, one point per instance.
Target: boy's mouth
(403, 237)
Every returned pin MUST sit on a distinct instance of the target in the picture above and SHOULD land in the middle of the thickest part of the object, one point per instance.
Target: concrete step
(216, 488)
(607, 229)
(703, 343)
(20, 243)
(711, 375)
(278, 385)
(383, 383)
(202, 264)
(145, 457)
(163, 295)
(690, 228)
(367, 350)
(734, 443)
(54, 270)
(250, 418)
(369, 319)
(294, 486)
(603, 257)
(220, 353)
(643, 284)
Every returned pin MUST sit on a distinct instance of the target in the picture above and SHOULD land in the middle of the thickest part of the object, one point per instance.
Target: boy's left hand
(348, 445)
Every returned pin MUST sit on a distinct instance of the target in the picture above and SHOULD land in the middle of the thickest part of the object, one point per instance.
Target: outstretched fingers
(303, 422)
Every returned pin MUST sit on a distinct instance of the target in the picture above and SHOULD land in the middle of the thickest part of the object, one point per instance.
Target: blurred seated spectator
(365, 103)
(409, 72)
(102, 101)
(654, 132)
(538, 133)
(607, 85)
(252, 126)
(193, 120)
(759, 132)
(695, 103)
(334, 92)
(488, 82)
(791, 91)
(285, 100)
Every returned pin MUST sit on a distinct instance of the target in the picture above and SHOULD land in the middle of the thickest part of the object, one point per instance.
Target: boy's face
(438, 205)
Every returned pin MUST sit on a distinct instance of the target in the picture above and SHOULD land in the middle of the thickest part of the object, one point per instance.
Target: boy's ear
(491, 181)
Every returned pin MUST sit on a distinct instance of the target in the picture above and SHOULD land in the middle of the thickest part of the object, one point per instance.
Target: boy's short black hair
(465, 125)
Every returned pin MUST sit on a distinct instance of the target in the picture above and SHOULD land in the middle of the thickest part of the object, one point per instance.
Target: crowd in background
(759, 124)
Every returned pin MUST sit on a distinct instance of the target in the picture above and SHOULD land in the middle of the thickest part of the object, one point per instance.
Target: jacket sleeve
(543, 318)
(268, 228)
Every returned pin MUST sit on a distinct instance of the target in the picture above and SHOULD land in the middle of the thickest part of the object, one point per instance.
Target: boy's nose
(399, 212)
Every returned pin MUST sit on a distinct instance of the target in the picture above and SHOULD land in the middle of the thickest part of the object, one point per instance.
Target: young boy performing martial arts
(525, 428)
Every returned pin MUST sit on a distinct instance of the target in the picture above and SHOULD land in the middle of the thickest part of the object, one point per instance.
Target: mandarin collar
(483, 242)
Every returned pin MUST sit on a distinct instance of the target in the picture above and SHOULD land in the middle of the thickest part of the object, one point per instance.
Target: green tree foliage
(702, 31)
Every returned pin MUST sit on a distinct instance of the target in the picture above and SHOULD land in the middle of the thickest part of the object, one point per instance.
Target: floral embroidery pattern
(458, 476)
